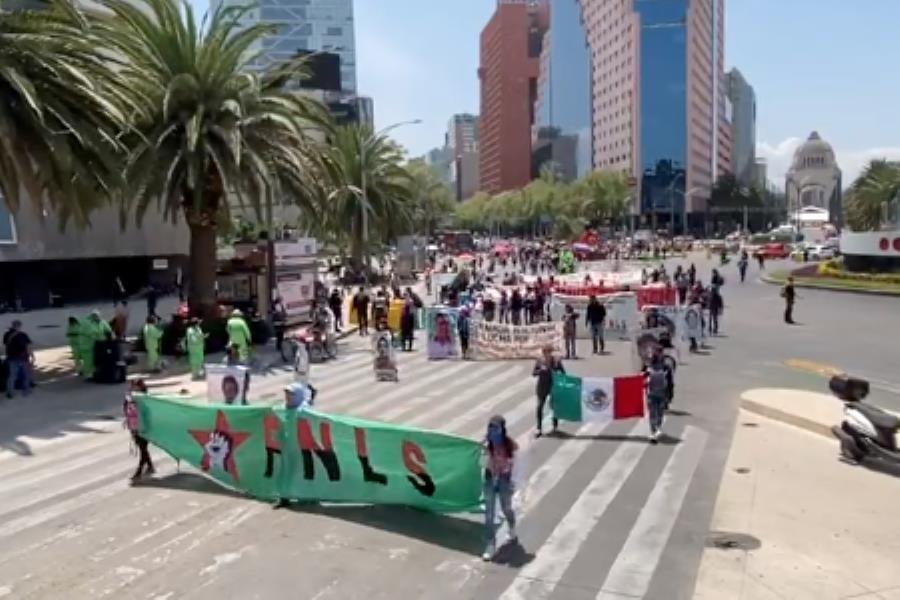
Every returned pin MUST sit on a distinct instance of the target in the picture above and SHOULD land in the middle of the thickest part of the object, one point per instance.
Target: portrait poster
(227, 384)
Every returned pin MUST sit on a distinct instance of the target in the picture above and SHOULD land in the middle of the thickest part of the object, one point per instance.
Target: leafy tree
(209, 130)
(872, 196)
(370, 191)
(61, 109)
(431, 200)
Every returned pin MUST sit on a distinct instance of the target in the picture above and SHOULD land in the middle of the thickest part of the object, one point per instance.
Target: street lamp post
(672, 204)
(686, 195)
(362, 175)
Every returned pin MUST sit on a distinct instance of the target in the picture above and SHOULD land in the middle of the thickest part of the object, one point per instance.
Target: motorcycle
(866, 430)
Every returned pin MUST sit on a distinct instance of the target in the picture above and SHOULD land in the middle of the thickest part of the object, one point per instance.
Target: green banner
(308, 455)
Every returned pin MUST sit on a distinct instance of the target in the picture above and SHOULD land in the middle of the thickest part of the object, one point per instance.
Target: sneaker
(654, 438)
(488, 553)
(538, 433)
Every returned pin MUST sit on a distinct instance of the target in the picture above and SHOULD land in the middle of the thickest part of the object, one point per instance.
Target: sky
(825, 65)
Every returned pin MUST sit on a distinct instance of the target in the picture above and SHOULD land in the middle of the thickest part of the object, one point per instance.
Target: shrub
(835, 268)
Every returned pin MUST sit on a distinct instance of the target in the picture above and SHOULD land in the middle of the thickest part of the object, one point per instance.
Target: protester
(120, 320)
(239, 334)
(462, 328)
(360, 305)
(789, 295)
(336, 304)
(504, 307)
(742, 265)
(279, 325)
(488, 308)
(132, 422)
(232, 356)
(407, 324)
(544, 368)
(19, 359)
(692, 275)
(73, 335)
(716, 305)
(152, 342)
(380, 305)
(195, 342)
(93, 330)
(761, 259)
(515, 307)
(594, 318)
(152, 295)
(657, 383)
(570, 328)
(500, 453)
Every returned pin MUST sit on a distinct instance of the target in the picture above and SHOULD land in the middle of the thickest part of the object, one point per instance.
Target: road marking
(811, 366)
(637, 560)
(453, 404)
(483, 408)
(539, 577)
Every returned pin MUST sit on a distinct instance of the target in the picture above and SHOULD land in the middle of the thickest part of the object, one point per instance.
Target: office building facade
(659, 102)
(510, 49)
(743, 127)
(306, 26)
(562, 134)
(462, 147)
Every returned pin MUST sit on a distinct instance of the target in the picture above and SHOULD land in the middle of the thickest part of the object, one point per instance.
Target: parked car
(814, 252)
(773, 250)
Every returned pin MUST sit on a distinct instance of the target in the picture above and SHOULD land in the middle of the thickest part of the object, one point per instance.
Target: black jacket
(595, 313)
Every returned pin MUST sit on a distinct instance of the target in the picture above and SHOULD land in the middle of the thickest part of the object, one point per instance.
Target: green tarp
(308, 455)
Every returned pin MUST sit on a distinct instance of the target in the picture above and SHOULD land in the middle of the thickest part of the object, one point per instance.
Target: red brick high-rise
(508, 72)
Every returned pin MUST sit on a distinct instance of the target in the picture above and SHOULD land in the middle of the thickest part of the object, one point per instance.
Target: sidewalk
(792, 520)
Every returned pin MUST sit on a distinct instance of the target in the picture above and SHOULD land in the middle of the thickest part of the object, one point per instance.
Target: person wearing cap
(195, 341)
(239, 334)
(152, 343)
(499, 455)
(94, 329)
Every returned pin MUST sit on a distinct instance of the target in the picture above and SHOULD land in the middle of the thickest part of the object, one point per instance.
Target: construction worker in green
(195, 341)
(93, 330)
(73, 334)
(152, 343)
(239, 334)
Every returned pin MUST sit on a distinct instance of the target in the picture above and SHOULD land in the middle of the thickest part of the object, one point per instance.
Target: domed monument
(814, 181)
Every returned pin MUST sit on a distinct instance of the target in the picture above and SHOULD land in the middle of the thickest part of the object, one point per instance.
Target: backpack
(657, 384)
(132, 416)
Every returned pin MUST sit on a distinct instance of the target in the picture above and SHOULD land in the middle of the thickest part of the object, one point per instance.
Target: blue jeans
(17, 369)
(656, 406)
(500, 488)
(597, 337)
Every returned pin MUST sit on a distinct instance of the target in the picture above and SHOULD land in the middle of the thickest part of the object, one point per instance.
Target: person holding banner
(132, 422)
(543, 370)
(499, 456)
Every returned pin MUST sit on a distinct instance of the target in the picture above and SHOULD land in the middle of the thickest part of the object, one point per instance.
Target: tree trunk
(202, 298)
(356, 245)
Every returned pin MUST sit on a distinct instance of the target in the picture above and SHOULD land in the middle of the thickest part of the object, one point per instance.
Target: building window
(334, 31)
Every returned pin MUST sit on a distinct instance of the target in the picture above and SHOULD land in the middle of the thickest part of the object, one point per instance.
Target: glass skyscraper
(663, 104)
(307, 25)
(562, 134)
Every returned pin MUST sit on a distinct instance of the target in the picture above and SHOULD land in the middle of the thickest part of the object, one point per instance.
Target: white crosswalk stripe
(73, 494)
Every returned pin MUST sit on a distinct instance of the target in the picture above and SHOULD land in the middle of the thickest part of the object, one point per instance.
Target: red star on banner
(225, 443)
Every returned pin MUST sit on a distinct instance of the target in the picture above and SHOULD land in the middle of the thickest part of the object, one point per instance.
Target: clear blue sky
(829, 65)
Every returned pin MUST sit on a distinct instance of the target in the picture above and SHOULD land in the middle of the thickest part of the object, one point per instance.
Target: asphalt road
(602, 515)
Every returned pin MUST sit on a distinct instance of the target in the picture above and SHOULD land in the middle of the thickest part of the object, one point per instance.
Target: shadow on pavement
(441, 530)
(513, 554)
(664, 439)
(876, 465)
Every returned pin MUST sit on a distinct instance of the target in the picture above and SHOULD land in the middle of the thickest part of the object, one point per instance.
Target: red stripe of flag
(629, 397)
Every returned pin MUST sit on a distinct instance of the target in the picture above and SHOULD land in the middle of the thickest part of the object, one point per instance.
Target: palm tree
(370, 189)
(60, 110)
(209, 131)
(872, 194)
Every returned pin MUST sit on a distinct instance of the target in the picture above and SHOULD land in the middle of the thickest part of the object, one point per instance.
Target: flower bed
(835, 269)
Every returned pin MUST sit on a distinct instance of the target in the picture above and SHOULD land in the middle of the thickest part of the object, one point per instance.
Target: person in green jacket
(239, 334)
(195, 341)
(93, 329)
(152, 342)
(73, 334)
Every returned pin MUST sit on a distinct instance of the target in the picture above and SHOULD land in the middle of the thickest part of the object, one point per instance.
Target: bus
(457, 242)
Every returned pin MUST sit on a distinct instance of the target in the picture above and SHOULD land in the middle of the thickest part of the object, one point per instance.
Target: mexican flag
(597, 399)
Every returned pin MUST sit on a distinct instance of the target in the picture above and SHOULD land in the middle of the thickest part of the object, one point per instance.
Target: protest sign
(384, 362)
(440, 326)
(502, 341)
(307, 455)
(621, 313)
(227, 384)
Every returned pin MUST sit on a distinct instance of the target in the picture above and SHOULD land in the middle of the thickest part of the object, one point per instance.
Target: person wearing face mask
(499, 455)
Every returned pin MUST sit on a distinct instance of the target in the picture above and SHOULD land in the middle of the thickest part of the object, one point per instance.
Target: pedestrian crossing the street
(70, 521)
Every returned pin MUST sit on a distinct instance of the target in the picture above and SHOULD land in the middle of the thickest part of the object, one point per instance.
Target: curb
(831, 288)
(787, 418)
